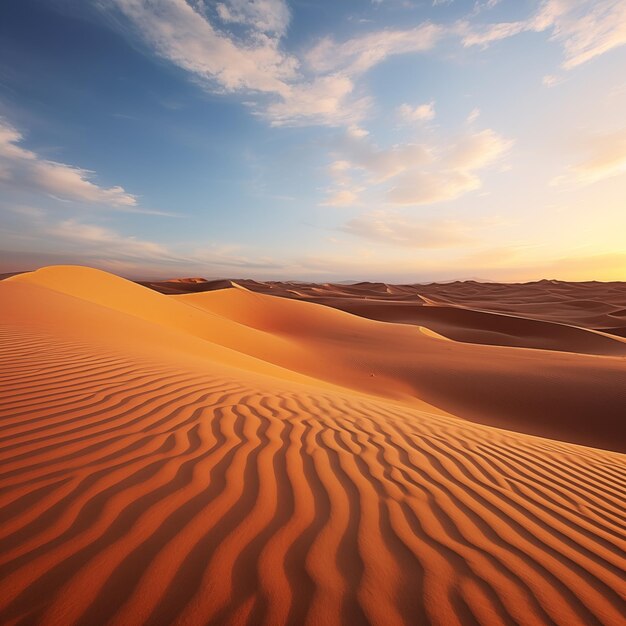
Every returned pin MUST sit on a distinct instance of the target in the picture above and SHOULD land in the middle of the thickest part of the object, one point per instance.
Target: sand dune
(547, 393)
(229, 457)
(592, 305)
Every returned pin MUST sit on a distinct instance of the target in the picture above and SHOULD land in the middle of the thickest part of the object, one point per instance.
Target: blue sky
(391, 139)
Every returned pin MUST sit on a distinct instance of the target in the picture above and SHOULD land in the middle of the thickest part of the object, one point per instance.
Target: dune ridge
(160, 466)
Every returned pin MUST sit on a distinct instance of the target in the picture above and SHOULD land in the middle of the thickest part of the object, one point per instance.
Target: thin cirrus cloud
(94, 239)
(266, 16)
(584, 28)
(359, 54)
(605, 157)
(105, 245)
(390, 227)
(25, 170)
(342, 197)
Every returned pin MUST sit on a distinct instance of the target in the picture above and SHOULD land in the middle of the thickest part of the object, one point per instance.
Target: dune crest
(231, 457)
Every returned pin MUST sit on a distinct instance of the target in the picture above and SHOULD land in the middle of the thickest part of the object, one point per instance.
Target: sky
(397, 140)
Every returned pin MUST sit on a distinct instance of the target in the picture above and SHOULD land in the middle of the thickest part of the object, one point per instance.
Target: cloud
(76, 241)
(550, 80)
(355, 56)
(381, 164)
(104, 241)
(325, 100)
(25, 170)
(342, 197)
(484, 5)
(285, 90)
(431, 187)
(186, 37)
(483, 36)
(253, 63)
(420, 113)
(266, 16)
(584, 28)
(344, 192)
(588, 29)
(454, 173)
(357, 132)
(390, 227)
(417, 173)
(236, 46)
(475, 151)
(605, 158)
(473, 116)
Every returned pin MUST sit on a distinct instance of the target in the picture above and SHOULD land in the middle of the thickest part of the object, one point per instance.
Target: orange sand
(230, 457)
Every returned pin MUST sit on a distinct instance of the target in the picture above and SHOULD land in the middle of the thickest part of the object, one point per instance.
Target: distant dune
(232, 452)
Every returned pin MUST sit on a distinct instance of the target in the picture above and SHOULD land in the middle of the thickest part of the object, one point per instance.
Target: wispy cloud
(420, 113)
(355, 56)
(343, 197)
(484, 5)
(265, 16)
(473, 116)
(605, 157)
(77, 240)
(550, 80)
(25, 170)
(392, 228)
(584, 28)
(101, 241)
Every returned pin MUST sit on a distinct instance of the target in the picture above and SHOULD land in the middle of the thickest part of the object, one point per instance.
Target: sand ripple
(138, 490)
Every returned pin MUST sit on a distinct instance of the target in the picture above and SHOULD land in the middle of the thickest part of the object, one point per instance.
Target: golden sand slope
(153, 474)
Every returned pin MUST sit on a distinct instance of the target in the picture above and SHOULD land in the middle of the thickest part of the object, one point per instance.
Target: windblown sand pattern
(153, 475)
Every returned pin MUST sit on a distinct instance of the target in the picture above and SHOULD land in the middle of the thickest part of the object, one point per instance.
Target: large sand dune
(229, 457)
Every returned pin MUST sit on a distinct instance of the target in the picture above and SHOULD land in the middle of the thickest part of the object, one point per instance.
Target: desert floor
(194, 452)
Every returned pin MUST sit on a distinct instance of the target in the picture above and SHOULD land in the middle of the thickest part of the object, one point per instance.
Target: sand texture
(340, 454)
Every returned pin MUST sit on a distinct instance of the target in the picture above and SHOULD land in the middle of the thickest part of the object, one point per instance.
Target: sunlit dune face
(295, 463)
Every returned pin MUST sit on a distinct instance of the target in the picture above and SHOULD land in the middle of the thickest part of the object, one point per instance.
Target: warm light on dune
(236, 457)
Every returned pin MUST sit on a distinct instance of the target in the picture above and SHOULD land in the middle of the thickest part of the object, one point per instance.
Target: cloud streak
(356, 56)
(25, 170)
(392, 228)
(605, 158)
(584, 28)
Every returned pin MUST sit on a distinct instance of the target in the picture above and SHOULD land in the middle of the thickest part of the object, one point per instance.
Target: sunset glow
(405, 141)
